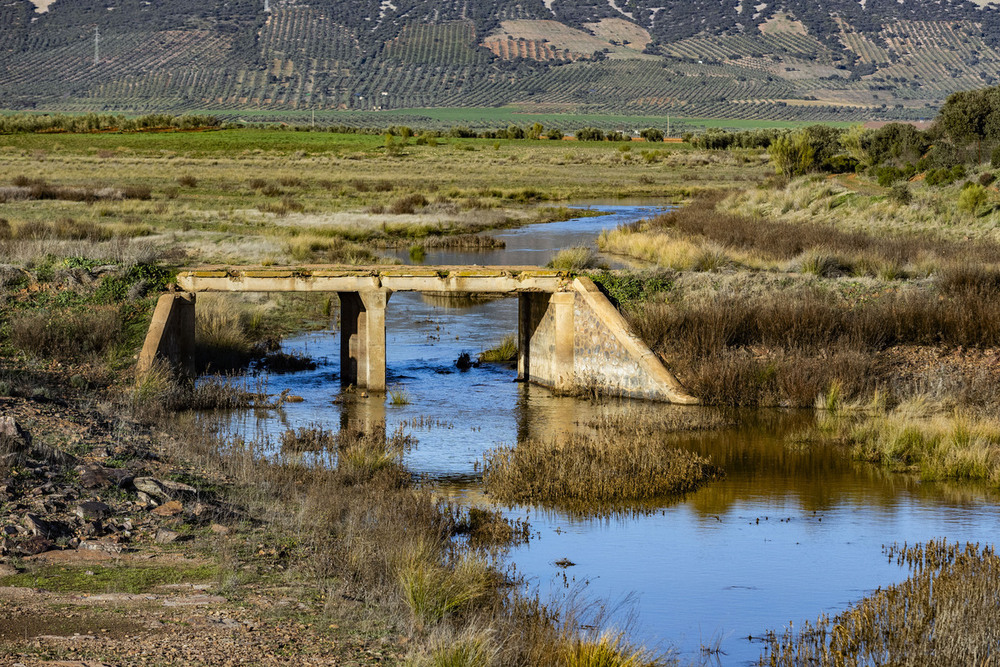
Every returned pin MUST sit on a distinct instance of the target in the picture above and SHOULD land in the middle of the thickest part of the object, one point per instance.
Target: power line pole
(267, 7)
(97, 46)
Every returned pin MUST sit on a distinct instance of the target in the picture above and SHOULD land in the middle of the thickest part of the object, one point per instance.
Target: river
(791, 532)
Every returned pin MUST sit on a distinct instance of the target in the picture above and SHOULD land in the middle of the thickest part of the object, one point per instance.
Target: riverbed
(791, 532)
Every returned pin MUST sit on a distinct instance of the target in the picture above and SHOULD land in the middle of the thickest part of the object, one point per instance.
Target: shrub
(900, 193)
(972, 198)
(187, 181)
(652, 134)
(407, 205)
(986, 178)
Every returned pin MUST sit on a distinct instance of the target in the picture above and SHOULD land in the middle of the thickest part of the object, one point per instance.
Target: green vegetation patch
(110, 578)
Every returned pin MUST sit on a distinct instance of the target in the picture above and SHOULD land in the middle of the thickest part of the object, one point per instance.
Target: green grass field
(498, 117)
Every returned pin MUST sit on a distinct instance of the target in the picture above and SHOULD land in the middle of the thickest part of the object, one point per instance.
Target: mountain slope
(783, 60)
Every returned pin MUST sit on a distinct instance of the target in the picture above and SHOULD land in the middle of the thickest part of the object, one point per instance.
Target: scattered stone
(39, 527)
(34, 546)
(165, 536)
(218, 529)
(145, 500)
(7, 570)
(92, 510)
(161, 489)
(172, 508)
(104, 546)
(193, 600)
(93, 476)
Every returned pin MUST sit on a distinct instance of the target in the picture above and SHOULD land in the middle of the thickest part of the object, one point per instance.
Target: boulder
(93, 476)
(92, 510)
(161, 489)
(164, 536)
(171, 508)
(34, 545)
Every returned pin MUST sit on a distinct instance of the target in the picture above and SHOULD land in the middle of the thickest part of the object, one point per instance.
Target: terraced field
(317, 57)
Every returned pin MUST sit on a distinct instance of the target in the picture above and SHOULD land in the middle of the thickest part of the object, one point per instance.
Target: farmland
(784, 68)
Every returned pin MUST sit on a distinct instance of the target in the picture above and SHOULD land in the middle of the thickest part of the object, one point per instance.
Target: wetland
(848, 369)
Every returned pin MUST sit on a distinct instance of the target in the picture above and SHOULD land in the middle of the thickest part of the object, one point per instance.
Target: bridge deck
(325, 278)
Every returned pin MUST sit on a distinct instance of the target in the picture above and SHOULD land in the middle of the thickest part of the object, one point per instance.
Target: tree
(535, 131)
(652, 134)
(966, 115)
(792, 155)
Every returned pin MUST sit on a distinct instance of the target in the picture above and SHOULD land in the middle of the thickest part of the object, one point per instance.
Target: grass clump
(503, 352)
(919, 436)
(66, 335)
(575, 259)
(946, 613)
(433, 591)
(399, 396)
(609, 649)
(607, 468)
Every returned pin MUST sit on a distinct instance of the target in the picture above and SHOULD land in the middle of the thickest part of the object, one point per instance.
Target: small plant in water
(399, 396)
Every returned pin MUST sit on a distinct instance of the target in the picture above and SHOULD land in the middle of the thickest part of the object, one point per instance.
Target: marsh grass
(225, 331)
(920, 435)
(399, 396)
(700, 236)
(592, 471)
(67, 335)
(786, 345)
(609, 649)
(575, 259)
(433, 591)
(503, 352)
(946, 613)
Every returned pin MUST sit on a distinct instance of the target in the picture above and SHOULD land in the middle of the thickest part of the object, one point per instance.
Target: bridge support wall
(578, 341)
(171, 335)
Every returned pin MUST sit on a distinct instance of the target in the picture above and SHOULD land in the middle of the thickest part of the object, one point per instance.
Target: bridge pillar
(546, 339)
(362, 338)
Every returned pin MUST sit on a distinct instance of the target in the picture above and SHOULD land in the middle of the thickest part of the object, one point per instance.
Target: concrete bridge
(570, 336)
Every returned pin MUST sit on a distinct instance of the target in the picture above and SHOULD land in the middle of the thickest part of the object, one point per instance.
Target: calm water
(789, 534)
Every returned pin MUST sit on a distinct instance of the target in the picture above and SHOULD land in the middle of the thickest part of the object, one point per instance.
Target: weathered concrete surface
(362, 338)
(570, 337)
(573, 341)
(171, 335)
(499, 279)
(609, 357)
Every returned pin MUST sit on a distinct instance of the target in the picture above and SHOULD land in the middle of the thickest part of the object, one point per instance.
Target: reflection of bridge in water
(570, 336)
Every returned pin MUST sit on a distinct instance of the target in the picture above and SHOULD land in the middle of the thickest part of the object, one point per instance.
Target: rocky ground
(111, 553)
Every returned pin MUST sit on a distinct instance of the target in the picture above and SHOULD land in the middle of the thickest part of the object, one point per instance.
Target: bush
(652, 134)
(972, 198)
(407, 205)
(986, 178)
(900, 193)
(589, 134)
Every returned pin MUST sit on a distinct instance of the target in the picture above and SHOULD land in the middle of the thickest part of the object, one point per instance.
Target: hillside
(785, 60)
